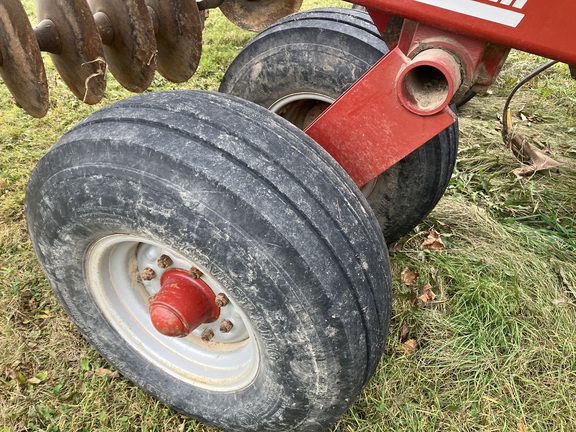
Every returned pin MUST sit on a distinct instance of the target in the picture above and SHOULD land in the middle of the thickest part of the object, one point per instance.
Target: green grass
(495, 350)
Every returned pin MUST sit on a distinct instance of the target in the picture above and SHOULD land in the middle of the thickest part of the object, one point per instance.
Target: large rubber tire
(262, 210)
(311, 58)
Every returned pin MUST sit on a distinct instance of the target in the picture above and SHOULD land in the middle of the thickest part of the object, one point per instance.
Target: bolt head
(222, 300)
(164, 261)
(195, 273)
(148, 274)
(226, 326)
(207, 335)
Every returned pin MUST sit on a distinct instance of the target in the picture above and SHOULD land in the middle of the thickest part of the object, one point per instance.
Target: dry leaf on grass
(535, 161)
(433, 242)
(409, 276)
(541, 163)
(426, 293)
(10, 374)
(408, 347)
(106, 372)
(38, 378)
(405, 331)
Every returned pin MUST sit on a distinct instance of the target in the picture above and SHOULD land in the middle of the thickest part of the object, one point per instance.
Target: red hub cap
(182, 304)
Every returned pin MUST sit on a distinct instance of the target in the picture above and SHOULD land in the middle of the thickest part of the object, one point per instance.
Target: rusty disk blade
(21, 63)
(74, 45)
(179, 38)
(131, 50)
(255, 15)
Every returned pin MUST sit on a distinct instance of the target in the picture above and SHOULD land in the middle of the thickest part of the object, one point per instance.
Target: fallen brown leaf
(409, 276)
(426, 293)
(408, 347)
(540, 162)
(535, 161)
(106, 372)
(404, 331)
(13, 375)
(433, 242)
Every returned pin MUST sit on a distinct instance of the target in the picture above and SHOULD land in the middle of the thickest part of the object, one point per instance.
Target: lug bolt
(226, 326)
(148, 274)
(164, 261)
(222, 300)
(195, 273)
(207, 335)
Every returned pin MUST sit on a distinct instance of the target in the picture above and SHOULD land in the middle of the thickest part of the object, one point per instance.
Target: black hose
(524, 80)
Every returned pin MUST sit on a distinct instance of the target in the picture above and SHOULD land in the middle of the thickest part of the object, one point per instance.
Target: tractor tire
(267, 218)
(302, 63)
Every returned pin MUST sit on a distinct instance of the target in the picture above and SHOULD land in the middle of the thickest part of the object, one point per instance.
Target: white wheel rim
(300, 109)
(229, 362)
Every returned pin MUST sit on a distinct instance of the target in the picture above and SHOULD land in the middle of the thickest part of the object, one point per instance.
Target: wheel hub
(127, 273)
(183, 303)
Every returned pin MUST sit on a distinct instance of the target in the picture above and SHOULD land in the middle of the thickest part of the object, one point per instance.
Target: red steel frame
(377, 121)
(536, 26)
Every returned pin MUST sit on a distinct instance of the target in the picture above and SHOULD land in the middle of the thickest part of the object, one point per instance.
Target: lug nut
(222, 300)
(148, 274)
(207, 335)
(195, 273)
(164, 261)
(226, 326)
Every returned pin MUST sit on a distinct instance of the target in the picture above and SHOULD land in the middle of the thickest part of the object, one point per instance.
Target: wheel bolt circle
(182, 304)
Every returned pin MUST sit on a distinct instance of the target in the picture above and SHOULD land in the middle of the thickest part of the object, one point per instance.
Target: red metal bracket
(368, 129)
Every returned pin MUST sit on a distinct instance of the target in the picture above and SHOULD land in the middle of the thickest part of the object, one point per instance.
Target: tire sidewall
(89, 187)
(324, 52)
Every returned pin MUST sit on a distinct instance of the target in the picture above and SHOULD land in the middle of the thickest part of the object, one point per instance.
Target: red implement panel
(535, 26)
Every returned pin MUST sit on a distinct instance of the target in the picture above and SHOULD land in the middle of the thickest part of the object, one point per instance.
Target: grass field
(495, 350)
